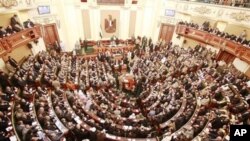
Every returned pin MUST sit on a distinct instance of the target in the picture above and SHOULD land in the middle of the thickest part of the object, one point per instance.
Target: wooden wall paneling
(132, 21)
(170, 32)
(225, 56)
(86, 24)
(166, 32)
(51, 34)
(114, 2)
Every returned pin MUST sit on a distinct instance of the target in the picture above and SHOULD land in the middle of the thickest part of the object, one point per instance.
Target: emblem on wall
(110, 24)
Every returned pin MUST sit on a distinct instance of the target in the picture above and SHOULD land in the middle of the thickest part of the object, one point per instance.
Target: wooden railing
(19, 39)
(224, 44)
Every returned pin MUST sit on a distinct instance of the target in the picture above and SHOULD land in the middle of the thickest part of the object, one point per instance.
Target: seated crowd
(237, 3)
(240, 39)
(179, 95)
(14, 26)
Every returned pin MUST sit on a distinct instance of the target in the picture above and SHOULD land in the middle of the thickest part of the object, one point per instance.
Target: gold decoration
(202, 10)
(240, 16)
(8, 3)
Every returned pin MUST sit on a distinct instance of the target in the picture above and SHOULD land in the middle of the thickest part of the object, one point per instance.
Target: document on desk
(60, 126)
(77, 119)
(41, 134)
(111, 136)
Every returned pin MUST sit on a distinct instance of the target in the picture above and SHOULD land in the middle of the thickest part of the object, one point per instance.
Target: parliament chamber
(124, 70)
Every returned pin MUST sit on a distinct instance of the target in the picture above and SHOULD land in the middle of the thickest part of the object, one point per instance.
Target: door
(50, 35)
(166, 32)
(225, 56)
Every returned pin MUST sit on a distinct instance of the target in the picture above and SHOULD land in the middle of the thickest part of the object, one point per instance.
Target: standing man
(4, 80)
(12, 62)
(14, 22)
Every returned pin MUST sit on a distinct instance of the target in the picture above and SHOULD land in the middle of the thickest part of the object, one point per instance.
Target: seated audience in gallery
(236, 3)
(10, 30)
(240, 39)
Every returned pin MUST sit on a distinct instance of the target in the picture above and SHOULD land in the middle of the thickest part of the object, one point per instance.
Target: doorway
(50, 35)
(166, 32)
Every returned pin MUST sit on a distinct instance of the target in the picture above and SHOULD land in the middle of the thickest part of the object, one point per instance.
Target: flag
(100, 32)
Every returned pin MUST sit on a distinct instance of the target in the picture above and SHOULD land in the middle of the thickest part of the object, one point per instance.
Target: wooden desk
(106, 135)
(182, 108)
(19, 39)
(129, 47)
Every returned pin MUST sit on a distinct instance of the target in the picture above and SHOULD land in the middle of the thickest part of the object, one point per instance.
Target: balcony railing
(19, 39)
(231, 47)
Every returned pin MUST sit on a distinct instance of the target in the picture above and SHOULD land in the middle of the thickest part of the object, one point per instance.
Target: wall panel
(86, 24)
(18, 53)
(132, 23)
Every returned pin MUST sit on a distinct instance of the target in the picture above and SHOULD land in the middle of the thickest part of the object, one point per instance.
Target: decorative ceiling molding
(240, 16)
(185, 7)
(8, 3)
(202, 10)
(28, 2)
(220, 12)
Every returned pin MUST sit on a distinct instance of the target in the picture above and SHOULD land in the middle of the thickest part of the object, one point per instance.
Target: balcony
(237, 3)
(223, 44)
(19, 39)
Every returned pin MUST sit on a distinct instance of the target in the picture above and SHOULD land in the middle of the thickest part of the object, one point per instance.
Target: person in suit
(15, 23)
(10, 30)
(243, 34)
(4, 80)
(12, 62)
(3, 32)
(28, 24)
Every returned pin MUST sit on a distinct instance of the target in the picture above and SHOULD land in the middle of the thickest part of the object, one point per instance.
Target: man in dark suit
(15, 23)
(28, 24)
(12, 62)
(4, 80)
(10, 30)
(3, 32)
